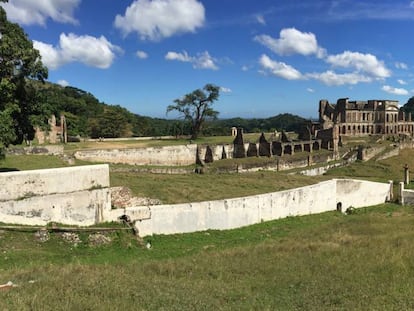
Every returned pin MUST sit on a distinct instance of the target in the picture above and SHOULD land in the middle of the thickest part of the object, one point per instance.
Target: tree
(19, 61)
(196, 108)
(409, 106)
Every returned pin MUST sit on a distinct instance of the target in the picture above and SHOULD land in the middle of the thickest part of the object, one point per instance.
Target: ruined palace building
(358, 118)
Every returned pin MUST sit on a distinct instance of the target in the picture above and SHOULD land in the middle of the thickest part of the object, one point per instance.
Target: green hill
(88, 117)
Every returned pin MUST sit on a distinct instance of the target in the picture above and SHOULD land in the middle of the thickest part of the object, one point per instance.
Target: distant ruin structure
(57, 133)
(360, 118)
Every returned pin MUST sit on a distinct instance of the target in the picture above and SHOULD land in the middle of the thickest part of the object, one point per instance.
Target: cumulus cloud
(202, 61)
(141, 54)
(292, 41)
(63, 83)
(91, 51)
(332, 78)
(366, 63)
(400, 65)
(158, 19)
(279, 69)
(394, 90)
(182, 57)
(37, 12)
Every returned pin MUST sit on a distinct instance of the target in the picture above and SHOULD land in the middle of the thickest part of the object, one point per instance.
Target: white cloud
(402, 82)
(158, 19)
(141, 54)
(202, 61)
(310, 90)
(225, 89)
(51, 56)
(393, 90)
(279, 69)
(91, 51)
(245, 68)
(292, 41)
(29, 12)
(260, 19)
(205, 61)
(331, 78)
(367, 63)
(63, 83)
(182, 57)
(400, 65)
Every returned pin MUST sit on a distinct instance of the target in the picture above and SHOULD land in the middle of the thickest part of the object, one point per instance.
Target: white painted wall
(21, 184)
(81, 196)
(238, 212)
(75, 195)
(81, 208)
(360, 193)
(167, 155)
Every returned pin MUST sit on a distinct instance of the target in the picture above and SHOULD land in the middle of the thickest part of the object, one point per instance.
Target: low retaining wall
(81, 196)
(233, 213)
(74, 195)
(168, 155)
(406, 195)
(43, 149)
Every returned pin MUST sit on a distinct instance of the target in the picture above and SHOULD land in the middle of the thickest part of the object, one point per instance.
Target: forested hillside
(88, 117)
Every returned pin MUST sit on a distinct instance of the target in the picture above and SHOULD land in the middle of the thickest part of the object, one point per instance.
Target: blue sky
(268, 56)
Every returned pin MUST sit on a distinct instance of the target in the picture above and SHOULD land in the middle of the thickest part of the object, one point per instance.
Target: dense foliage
(20, 107)
(409, 106)
(87, 116)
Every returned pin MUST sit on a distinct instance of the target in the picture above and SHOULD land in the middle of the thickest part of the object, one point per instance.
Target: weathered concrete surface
(23, 184)
(238, 212)
(168, 155)
(406, 195)
(81, 208)
(74, 195)
(44, 149)
(360, 193)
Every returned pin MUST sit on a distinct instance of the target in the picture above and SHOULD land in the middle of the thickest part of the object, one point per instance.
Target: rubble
(97, 239)
(71, 238)
(42, 235)
(122, 197)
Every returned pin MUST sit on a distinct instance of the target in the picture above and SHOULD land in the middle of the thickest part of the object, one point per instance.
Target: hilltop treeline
(86, 116)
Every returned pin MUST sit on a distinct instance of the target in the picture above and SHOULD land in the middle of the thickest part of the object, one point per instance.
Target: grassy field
(329, 261)
(200, 187)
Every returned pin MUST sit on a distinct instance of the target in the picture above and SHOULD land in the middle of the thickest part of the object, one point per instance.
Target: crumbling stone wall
(55, 133)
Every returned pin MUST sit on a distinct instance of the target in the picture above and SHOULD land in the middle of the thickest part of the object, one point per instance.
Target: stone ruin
(55, 134)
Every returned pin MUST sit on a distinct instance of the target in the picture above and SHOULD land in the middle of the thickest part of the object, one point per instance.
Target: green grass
(206, 187)
(30, 162)
(328, 261)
